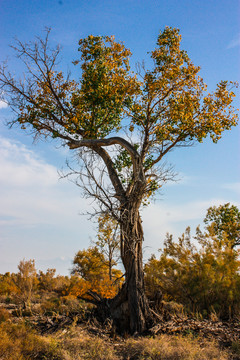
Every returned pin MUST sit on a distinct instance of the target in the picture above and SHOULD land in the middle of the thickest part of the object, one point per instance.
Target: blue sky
(40, 214)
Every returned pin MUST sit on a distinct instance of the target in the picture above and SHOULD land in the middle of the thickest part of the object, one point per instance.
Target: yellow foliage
(92, 273)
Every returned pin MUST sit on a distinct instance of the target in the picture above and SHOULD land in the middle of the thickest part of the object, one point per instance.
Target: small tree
(225, 221)
(47, 280)
(108, 241)
(159, 109)
(26, 281)
(93, 268)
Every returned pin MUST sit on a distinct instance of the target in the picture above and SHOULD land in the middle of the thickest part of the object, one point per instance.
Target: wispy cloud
(234, 43)
(20, 167)
(30, 191)
(235, 187)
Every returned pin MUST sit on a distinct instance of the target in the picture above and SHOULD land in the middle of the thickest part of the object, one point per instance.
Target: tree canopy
(161, 108)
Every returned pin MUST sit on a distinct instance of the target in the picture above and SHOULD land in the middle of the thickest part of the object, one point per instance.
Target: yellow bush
(4, 315)
(18, 342)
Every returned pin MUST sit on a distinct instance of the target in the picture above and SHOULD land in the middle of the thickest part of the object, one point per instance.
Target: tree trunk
(110, 265)
(130, 308)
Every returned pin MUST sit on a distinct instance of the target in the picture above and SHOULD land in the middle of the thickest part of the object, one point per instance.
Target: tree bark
(130, 308)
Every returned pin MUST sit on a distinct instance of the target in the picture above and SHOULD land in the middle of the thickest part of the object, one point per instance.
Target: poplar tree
(121, 125)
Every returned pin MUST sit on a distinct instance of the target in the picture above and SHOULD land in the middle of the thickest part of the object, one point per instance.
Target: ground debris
(49, 324)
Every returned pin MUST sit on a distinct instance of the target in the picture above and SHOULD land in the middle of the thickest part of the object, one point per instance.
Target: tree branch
(106, 142)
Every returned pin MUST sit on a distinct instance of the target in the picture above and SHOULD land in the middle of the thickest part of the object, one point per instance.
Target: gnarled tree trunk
(130, 308)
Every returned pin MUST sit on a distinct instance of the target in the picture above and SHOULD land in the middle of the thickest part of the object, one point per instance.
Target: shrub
(4, 315)
(18, 342)
(203, 278)
(51, 306)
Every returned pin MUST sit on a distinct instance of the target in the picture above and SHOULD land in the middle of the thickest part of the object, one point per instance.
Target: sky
(41, 216)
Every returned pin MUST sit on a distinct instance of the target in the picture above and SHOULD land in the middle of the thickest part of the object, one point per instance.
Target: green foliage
(225, 220)
(107, 85)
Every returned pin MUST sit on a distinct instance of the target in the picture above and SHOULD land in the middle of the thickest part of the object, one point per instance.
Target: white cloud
(3, 105)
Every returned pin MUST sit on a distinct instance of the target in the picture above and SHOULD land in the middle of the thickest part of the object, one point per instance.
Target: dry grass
(19, 342)
(167, 347)
(79, 345)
